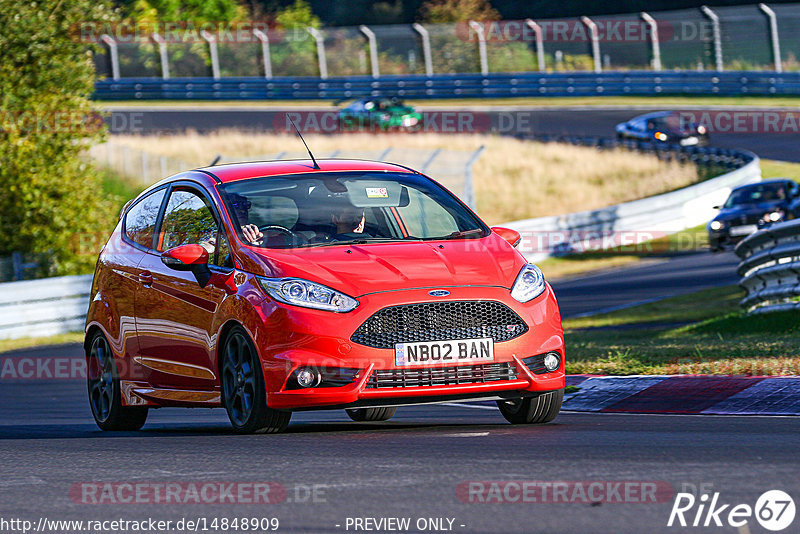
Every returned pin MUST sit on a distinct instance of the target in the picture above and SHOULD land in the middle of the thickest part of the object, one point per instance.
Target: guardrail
(770, 268)
(494, 85)
(663, 214)
(37, 308)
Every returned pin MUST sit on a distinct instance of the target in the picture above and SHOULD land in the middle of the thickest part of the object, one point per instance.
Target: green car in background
(379, 113)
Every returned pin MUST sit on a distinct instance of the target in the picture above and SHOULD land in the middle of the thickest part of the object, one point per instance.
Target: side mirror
(512, 236)
(192, 258)
(716, 207)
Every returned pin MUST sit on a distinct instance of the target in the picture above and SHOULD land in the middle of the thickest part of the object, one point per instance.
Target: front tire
(243, 390)
(532, 410)
(105, 396)
(371, 414)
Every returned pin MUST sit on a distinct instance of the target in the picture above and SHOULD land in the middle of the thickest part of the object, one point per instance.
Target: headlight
(701, 129)
(775, 216)
(307, 294)
(716, 225)
(529, 283)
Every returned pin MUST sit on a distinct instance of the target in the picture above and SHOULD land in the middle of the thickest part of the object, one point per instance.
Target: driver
(241, 207)
(349, 220)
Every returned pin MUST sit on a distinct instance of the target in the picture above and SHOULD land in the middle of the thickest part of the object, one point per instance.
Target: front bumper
(298, 337)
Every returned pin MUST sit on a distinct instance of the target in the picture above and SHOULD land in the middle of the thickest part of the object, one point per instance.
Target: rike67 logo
(774, 510)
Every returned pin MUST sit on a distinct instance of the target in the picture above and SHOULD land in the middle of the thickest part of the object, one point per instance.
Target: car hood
(377, 267)
(749, 211)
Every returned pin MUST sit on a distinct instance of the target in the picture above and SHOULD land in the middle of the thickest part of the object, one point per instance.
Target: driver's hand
(251, 233)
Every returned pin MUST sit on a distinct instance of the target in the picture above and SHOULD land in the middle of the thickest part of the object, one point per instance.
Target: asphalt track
(411, 466)
(593, 121)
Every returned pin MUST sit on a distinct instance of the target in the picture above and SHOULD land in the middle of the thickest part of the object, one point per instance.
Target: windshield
(670, 123)
(756, 194)
(320, 209)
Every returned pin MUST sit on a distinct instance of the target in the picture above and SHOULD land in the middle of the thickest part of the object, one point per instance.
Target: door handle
(146, 278)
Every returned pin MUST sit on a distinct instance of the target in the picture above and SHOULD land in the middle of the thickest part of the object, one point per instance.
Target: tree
(443, 11)
(49, 201)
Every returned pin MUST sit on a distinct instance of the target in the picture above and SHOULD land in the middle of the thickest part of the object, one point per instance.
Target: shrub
(49, 199)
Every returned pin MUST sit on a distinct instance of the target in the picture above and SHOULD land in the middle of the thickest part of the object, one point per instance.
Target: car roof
(765, 182)
(231, 172)
(653, 115)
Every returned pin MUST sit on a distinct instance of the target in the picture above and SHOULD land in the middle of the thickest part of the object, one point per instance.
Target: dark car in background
(380, 114)
(752, 207)
(663, 127)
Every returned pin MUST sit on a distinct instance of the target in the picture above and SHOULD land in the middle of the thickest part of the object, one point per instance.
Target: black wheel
(243, 390)
(371, 414)
(105, 396)
(532, 410)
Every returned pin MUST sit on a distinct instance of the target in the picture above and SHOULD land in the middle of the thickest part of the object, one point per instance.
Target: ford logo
(438, 293)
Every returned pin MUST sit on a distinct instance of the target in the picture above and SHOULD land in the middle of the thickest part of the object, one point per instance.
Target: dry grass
(513, 179)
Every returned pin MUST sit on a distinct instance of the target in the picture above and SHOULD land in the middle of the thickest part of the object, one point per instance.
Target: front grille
(441, 376)
(439, 321)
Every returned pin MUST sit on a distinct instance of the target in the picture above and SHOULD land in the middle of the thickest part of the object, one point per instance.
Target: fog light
(307, 378)
(552, 361)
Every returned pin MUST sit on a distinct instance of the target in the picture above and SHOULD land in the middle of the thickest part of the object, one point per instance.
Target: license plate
(444, 352)
(747, 229)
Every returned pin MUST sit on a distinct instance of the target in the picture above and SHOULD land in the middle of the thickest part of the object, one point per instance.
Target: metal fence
(451, 168)
(742, 38)
(770, 268)
(493, 85)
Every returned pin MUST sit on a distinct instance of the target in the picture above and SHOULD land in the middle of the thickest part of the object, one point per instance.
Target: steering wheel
(281, 229)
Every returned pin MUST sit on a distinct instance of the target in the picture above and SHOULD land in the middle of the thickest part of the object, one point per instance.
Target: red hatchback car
(272, 287)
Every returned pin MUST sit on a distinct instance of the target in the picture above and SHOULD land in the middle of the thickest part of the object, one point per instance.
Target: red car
(272, 287)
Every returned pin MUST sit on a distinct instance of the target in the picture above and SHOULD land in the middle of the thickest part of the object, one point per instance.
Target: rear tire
(371, 414)
(532, 410)
(105, 396)
(243, 390)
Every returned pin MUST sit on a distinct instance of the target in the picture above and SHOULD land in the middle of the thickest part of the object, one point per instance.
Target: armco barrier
(661, 214)
(495, 85)
(36, 308)
(770, 268)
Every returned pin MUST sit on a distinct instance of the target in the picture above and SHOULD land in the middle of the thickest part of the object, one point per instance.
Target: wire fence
(747, 38)
(451, 168)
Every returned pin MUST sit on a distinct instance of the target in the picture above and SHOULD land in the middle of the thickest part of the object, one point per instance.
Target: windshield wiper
(358, 241)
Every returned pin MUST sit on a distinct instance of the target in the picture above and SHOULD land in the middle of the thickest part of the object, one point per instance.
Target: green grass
(28, 342)
(717, 338)
(771, 168)
(626, 101)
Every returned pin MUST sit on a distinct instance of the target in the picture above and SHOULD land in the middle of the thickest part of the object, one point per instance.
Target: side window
(140, 222)
(188, 220)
